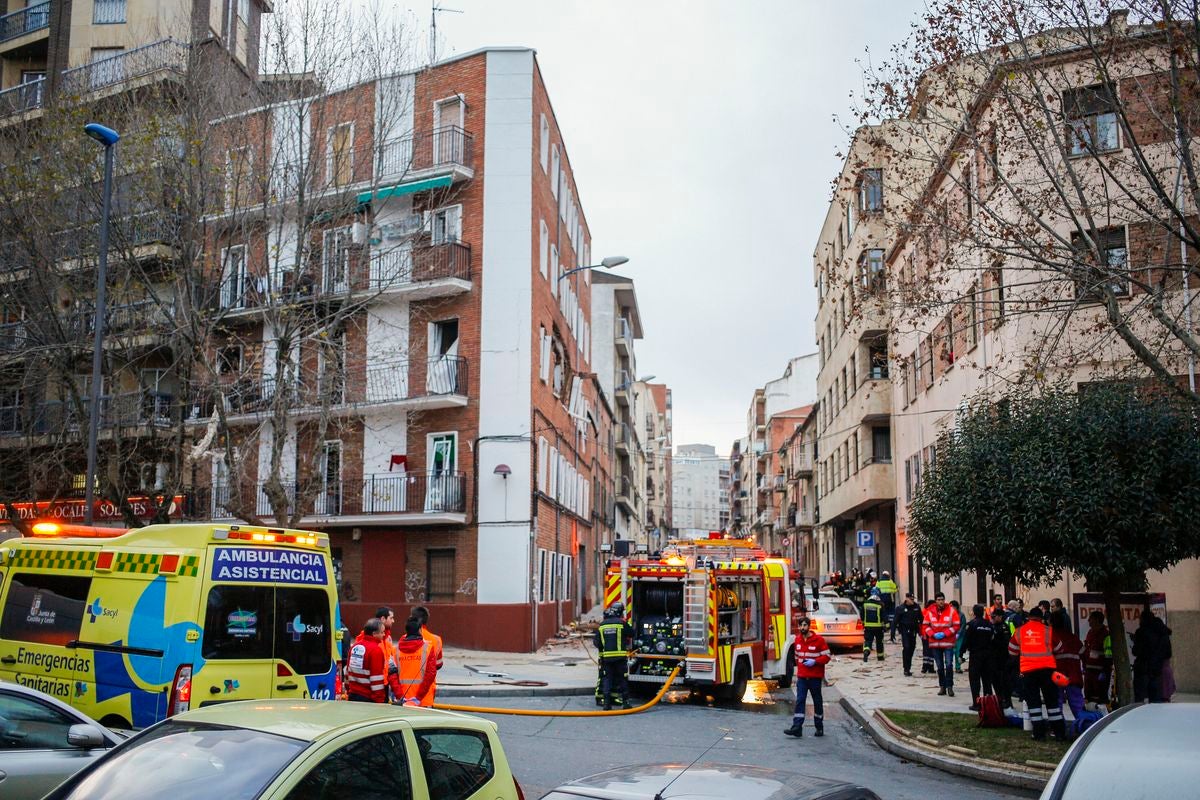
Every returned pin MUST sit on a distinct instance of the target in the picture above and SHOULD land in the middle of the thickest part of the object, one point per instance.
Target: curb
(888, 737)
(515, 691)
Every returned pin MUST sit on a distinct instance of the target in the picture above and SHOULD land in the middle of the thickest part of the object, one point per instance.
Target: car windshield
(186, 762)
(831, 607)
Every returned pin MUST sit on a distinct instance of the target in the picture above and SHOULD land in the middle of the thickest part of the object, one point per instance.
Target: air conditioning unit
(359, 233)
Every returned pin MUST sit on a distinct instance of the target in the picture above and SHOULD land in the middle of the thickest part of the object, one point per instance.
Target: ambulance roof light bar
(58, 530)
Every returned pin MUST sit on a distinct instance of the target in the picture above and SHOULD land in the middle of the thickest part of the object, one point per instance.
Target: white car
(1139, 752)
(838, 621)
(43, 741)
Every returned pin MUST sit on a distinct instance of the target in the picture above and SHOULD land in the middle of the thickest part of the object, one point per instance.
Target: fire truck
(720, 608)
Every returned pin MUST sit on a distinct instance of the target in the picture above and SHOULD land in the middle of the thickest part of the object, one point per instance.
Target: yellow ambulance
(134, 626)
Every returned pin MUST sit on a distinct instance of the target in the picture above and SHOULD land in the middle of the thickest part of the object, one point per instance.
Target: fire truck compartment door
(695, 612)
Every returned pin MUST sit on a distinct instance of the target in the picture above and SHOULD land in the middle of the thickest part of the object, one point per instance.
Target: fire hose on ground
(522, 712)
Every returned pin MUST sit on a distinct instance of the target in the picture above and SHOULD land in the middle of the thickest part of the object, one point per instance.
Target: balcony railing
(624, 329)
(163, 55)
(12, 337)
(388, 382)
(443, 147)
(133, 230)
(126, 409)
(25, 20)
(388, 493)
(410, 264)
(23, 97)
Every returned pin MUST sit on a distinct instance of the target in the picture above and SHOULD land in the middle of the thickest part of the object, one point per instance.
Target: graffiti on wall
(414, 586)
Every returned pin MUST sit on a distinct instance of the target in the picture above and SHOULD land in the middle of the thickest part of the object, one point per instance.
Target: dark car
(707, 781)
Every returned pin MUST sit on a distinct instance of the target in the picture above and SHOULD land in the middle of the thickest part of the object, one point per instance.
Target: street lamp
(642, 379)
(107, 137)
(606, 263)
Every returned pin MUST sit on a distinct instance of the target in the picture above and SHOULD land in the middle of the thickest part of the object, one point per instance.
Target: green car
(303, 750)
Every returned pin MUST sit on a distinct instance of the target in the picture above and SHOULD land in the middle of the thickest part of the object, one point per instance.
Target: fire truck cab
(720, 608)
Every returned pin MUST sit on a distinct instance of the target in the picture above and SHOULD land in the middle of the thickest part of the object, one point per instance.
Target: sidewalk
(561, 667)
(881, 684)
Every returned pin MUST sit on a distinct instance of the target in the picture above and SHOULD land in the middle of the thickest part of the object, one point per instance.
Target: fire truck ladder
(695, 611)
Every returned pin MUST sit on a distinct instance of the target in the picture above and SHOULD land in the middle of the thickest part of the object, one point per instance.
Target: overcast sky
(703, 143)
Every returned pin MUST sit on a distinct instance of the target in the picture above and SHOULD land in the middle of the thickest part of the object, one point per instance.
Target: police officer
(908, 621)
(873, 625)
(614, 639)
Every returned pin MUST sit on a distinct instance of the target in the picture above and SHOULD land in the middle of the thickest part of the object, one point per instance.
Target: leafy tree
(1103, 483)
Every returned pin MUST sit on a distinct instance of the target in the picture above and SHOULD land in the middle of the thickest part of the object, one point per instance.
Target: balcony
(802, 463)
(127, 409)
(627, 496)
(421, 271)
(624, 383)
(411, 498)
(28, 96)
(624, 336)
(448, 150)
(138, 65)
(411, 384)
(13, 336)
(624, 437)
(24, 21)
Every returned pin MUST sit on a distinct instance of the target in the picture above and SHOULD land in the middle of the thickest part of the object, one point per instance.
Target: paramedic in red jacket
(941, 630)
(812, 654)
(367, 672)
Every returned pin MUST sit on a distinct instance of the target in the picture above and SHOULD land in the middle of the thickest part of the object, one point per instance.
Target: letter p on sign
(866, 538)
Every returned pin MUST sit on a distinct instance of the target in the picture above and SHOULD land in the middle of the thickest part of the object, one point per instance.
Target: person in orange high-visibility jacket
(367, 675)
(388, 618)
(418, 669)
(435, 643)
(1037, 646)
(941, 630)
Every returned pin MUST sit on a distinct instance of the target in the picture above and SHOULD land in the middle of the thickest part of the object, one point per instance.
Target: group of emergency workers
(404, 672)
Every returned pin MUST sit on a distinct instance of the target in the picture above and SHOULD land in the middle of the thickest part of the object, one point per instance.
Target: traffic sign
(866, 551)
(866, 539)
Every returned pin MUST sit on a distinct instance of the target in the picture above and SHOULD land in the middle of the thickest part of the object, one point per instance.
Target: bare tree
(1052, 179)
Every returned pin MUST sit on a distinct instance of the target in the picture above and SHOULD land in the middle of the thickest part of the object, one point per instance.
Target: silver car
(707, 781)
(1139, 752)
(838, 622)
(43, 741)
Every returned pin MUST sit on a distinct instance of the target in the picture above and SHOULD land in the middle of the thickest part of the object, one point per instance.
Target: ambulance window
(238, 622)
(45, 609)
(304, 630)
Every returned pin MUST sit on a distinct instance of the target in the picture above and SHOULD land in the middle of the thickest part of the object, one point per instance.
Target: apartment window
(239, 28)
(842, 309)
(878, 355)
(229, 360)
(927, 365)
(555, 169)
(1112, 269)
(445, 225)
(339, 154)
(845, 386)
(973, 317)
(851, 219)
(543, 249)
(238, 163)
(108, 12)
(1091, 117)
(881, 445)
(33, 86)
(908, 483)
(871, 276)
(335, 259)
(948, 354)
(852, 373)
(854, 450)
(439, 571)
(870, 190)
(233, 276)
(544, 146)
(996, 278)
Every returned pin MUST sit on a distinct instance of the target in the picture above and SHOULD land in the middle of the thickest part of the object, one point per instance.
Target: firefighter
(812, 654)
(367, 674)
(417, 665)
(1097, 659)
(888, 591)
(421, 613)
(1037, 646)
(873, 623)
(614, 638)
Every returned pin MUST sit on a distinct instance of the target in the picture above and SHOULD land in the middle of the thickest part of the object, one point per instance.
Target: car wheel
(741, 679)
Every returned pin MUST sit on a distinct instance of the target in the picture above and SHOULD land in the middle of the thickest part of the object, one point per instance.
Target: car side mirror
(85, 737)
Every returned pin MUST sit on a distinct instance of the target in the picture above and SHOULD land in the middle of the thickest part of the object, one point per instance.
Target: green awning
(398, 189)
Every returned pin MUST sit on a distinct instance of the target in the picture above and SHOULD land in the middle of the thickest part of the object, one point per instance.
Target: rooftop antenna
(433, 28)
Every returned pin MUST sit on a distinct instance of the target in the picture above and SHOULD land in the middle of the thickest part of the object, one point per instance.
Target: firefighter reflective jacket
(872, 613)
(418, 668)
(614, 638)
(1036, 644)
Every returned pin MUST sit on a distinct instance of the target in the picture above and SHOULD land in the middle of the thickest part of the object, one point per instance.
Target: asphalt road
(546, 751)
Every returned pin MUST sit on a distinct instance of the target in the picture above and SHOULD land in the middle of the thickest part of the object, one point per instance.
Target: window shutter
(543, 462)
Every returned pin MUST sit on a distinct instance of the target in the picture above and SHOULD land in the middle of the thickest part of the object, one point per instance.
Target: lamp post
(107, 137)
(606, 263)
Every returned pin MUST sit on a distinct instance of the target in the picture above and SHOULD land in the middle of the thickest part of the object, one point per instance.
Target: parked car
(838, 621)
(43, 741)
(1139, 752)
(314, 749)
(706, 780)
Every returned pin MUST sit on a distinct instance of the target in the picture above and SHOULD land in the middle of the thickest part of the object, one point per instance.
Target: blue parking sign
(866, 538)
